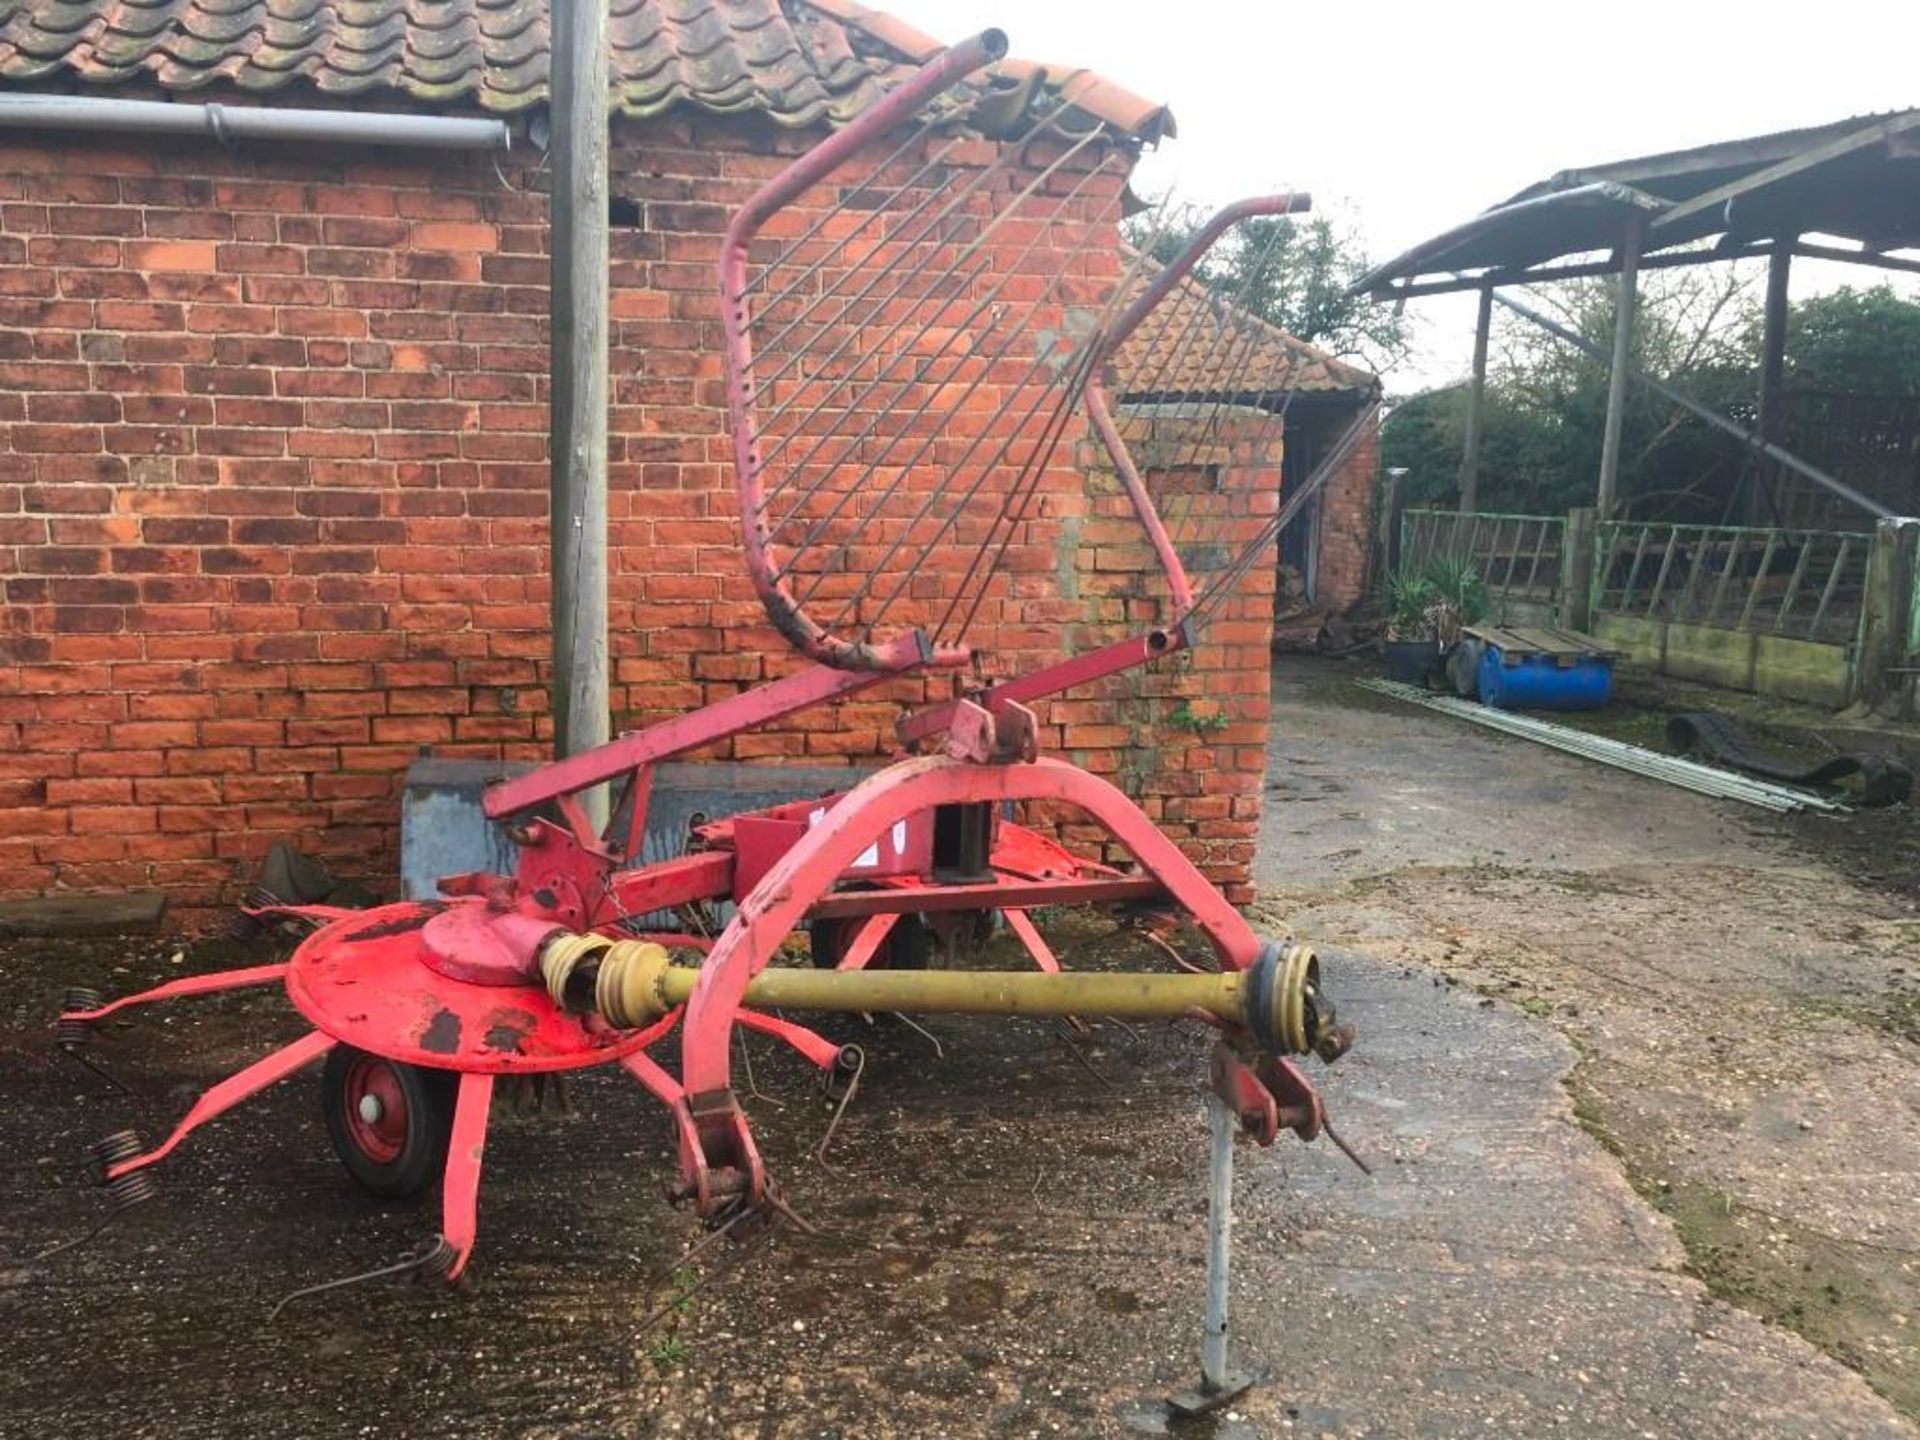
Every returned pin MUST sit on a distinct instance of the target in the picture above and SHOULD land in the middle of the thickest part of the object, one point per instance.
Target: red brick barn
(273, 437)
(1278, 384)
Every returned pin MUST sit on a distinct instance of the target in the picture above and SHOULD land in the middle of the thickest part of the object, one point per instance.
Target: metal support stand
(1218, 1383)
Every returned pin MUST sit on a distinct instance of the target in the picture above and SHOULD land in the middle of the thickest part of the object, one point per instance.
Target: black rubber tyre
(907, 946)
(396, 1145)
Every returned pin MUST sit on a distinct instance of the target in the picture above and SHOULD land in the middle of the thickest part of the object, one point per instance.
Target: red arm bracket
(758, 706)
(1080, 670)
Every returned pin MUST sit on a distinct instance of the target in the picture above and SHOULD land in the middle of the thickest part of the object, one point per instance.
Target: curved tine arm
(1178, 584)
(947, 70)
(187, 985)
(460, 1184)
(1099, 413)
(1293, 202)
(222, 1097)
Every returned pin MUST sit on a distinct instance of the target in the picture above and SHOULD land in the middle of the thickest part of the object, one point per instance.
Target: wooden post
(1576, 569)
(1773, 350)
(1625, 303)
(1886, 611)
(578, 436)
(1476, 407)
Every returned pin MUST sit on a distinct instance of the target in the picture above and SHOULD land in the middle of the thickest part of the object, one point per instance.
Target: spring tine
(1064, 1035)
(684, 1293)
(859, 1068)
(424, 1259)
(99, 1229)
(124, 1192)
(1345, 1148)
(1132, 1034)
(86, 1062)
(853, 405)
(72, 1036)
(939, 1050)
(754, 1092)
(778, 1205)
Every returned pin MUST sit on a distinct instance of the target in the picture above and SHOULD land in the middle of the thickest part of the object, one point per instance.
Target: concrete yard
(1625, 1051)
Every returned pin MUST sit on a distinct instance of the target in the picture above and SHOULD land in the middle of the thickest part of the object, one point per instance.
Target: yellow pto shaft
(633, 982)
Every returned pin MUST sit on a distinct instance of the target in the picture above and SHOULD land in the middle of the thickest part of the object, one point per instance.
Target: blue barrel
(1538, 682)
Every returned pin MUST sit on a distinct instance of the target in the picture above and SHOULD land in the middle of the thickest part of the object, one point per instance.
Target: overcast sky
(1411, 117)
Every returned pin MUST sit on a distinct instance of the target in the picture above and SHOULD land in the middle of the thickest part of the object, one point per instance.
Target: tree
(1859, 342)
(1293, 273)
(1546, 403)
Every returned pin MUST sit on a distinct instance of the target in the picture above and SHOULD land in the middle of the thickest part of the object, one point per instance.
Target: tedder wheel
(906, 947)
(389, 1121)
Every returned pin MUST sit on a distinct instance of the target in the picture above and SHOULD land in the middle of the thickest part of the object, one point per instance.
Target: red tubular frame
(906, 651)
(187, 985)
(1175, 635)
(811, 868)
(568, 874)
(715, 1144)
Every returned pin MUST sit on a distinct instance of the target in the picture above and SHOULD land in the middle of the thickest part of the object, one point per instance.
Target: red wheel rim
(376, 1109)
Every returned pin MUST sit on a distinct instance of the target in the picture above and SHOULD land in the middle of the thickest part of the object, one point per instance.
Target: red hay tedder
(904, 352)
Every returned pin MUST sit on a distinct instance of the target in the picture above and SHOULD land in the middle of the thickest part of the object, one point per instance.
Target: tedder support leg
(1218, 1383)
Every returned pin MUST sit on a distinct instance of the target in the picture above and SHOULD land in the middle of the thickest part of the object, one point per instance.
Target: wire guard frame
(909, 348)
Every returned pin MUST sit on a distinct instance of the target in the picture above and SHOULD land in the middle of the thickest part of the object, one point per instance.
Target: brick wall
(273, 494)
(1195, 728)
(1347, 523)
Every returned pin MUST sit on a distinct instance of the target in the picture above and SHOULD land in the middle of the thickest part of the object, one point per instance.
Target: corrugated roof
(1853, 179)
(1192, 346)
(798, 61)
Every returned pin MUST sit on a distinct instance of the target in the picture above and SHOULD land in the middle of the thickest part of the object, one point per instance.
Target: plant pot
(1409, 661)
